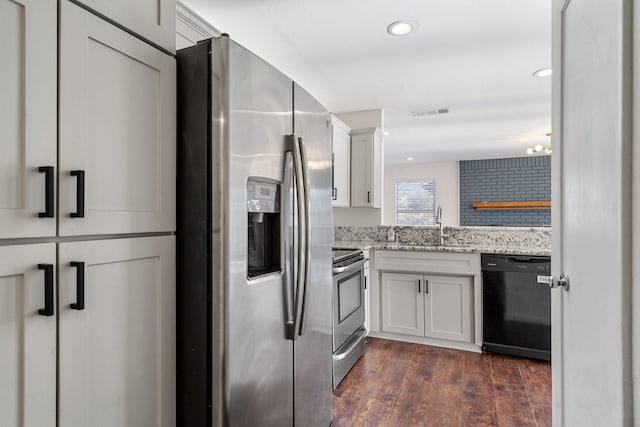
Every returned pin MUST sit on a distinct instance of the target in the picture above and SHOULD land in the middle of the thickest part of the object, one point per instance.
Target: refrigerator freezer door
(312, 352)
(253, 121)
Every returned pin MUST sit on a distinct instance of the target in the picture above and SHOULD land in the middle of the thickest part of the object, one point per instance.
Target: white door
(152, 20)
(591, 343)
(447, 303)
(27, 118)
(117, 340)
(27, 336)
(117, 130)
(403, 303)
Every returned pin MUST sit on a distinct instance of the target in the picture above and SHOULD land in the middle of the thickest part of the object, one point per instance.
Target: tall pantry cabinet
(87, 214)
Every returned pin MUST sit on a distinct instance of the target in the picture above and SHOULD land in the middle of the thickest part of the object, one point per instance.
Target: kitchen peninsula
(426, 293)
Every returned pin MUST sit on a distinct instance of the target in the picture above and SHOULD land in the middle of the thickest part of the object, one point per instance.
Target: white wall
(447, 188)
(361, 217)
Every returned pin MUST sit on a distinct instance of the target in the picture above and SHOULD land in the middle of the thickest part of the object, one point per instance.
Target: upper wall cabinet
(117, 130)
(153, 20)
(366, 168)
(27, 118)
(341, 163)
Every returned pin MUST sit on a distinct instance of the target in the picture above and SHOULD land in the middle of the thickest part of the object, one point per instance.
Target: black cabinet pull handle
(426, 286)
(368, 196)
(48, 290)
(365, 283)
(48, 191)
(418, 285)
(79, 213)
(79, 304)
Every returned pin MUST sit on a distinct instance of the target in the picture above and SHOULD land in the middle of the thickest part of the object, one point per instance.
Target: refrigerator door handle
(288, 212)
(300, 235)
(307, 238)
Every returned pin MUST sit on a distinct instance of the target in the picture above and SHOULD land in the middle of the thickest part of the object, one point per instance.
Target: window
(416, 202)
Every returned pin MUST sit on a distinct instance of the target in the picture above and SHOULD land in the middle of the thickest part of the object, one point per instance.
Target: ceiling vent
(430, 112)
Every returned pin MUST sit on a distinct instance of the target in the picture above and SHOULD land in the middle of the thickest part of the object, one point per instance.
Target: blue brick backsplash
(505, 180)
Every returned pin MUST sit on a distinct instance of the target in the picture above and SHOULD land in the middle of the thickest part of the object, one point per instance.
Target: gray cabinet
(366, 168)
(27, 118)
(151, 20)
(110, 362)
(427, 305)
(117, 129)
(402, 304)
(117, 352)
(28, 335)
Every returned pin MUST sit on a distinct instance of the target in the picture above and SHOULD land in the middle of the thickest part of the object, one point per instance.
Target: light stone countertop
(488, 240)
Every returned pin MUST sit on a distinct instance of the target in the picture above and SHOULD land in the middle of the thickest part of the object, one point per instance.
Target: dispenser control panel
(262, 197)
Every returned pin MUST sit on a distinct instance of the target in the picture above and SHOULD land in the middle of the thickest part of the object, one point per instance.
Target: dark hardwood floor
(402, 384)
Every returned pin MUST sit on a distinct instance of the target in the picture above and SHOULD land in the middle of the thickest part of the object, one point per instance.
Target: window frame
(429, 181)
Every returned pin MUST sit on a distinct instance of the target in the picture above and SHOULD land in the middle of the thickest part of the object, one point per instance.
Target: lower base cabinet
(113, 327)
(117, 332)
(428, 306)
(27, 336)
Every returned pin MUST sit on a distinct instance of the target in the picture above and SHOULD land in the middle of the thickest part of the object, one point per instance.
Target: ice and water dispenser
(263, 226)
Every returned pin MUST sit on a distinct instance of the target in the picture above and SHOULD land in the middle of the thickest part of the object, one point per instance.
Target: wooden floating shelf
(542, 204)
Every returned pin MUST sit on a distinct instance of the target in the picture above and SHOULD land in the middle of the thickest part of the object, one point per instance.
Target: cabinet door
(117, 127)
(361, 159)
(366, 168)
(27, 337)
(366, 296)
(448, 307)
(27, 117)
(402, 304)
(152, 20)
(376, 169)
(117, 347)
(341, 164)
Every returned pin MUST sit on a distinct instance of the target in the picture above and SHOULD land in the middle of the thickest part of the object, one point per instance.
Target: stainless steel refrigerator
(254, 244)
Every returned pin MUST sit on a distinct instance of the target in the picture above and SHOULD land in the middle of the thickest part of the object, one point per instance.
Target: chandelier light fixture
(540, 149)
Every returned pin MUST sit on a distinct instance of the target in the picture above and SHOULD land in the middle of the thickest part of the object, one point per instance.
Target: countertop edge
(479, 249)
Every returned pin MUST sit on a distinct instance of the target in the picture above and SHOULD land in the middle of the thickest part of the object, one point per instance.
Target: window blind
(416, 202)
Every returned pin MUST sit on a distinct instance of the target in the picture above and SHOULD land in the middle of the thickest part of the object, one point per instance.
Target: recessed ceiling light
(401, 28)
(545, 72)
(529, 150)
(385, 133)
(538, 148)
(409, 158)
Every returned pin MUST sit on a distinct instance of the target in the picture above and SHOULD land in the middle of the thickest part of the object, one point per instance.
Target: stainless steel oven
(348, 310)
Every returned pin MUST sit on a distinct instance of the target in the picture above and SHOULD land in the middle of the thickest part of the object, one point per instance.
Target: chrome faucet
(438, 221)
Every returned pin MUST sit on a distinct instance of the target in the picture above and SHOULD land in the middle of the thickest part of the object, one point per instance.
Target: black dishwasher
(516, 308)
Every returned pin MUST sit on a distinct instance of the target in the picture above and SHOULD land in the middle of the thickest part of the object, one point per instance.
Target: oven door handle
(355, 339)
(355, 265)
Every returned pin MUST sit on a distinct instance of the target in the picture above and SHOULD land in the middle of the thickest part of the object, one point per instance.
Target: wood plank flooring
(401, 384)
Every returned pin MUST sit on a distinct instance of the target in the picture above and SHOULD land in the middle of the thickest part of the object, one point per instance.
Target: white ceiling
(474, 57)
